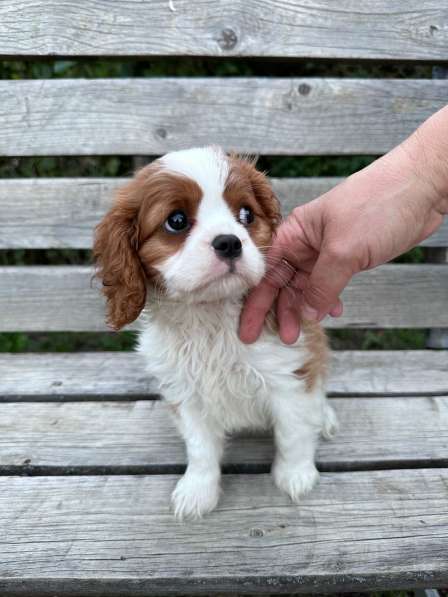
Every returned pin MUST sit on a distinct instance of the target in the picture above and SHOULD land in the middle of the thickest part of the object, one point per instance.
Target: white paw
(330, 426)
(295, 480)
(195, 495)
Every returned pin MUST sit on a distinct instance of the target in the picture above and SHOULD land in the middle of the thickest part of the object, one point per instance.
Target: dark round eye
(176, 222)
(246, 216)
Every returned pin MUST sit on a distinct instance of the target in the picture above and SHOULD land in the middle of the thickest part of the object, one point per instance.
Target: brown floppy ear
(115, 253)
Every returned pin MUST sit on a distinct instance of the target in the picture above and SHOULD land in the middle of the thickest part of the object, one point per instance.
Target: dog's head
(193, 226)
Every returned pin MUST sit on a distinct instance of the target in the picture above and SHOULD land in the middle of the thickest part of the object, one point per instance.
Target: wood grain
(438, 337)
(121, 375)
(391, 30)
(114, 436)
(63, 212)
(116, 536)
(150, 116)
(51, 298)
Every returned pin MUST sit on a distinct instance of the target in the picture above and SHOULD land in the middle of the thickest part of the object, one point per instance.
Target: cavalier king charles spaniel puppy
(182, 245)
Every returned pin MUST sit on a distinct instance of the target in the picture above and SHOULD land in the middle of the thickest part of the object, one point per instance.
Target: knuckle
(316, 295)
(296, 213)
(340, 252)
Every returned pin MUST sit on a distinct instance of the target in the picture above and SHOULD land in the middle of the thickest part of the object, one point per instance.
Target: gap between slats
(227, 469)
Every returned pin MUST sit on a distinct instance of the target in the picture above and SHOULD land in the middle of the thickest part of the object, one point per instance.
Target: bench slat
(116, 536)
(409, 29)
(118, 436)
(121, 375)
(51, 298)
(263, 115)
(63, 212)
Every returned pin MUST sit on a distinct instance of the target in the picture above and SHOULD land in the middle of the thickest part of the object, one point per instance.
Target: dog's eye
(246, 216)
(176, 222)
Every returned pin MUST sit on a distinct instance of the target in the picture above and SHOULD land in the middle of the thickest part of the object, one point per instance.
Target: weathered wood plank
(375, 432)
(97, 375)
(152, 116)
(63, 212)
(116, 536)
(392, 373)
(438, 337)
(61, 298)
(397, 30)
(121, 375)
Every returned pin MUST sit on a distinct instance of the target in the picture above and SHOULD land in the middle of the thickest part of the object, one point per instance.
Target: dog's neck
(192, 316)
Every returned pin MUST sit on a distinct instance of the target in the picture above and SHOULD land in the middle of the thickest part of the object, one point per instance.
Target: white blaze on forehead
(209, 168)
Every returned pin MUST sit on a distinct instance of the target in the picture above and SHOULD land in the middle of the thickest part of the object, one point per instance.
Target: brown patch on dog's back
(316, 343)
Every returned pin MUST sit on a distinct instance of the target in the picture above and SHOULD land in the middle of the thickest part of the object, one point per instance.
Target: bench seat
(114, 535)
(89, 457)
(120, 375)
(88, 453)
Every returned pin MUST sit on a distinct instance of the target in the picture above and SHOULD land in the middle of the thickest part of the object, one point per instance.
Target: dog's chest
(197, 355)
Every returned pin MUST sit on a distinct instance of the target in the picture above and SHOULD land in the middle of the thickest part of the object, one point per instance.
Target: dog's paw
(295, 480)
(330, 425)
(195, 495)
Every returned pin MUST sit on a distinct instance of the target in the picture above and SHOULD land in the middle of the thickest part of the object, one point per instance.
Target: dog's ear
(115, 251)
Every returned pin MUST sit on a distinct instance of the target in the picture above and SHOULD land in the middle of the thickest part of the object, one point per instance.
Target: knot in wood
(161, 132)
(304, 89)
(433, 29)
(228, 39)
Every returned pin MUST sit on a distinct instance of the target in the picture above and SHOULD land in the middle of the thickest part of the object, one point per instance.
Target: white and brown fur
(190, 301)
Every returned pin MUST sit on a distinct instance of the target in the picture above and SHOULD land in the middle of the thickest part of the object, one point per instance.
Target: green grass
(66, 341)
(394, 339)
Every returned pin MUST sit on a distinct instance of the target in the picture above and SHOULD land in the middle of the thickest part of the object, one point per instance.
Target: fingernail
(309, 313)
(289, 327)
(248, 336)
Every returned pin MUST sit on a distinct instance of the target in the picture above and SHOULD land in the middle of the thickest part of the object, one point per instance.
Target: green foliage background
(123, 166)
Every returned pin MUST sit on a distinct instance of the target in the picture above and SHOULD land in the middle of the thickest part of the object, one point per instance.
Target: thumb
(328, 279)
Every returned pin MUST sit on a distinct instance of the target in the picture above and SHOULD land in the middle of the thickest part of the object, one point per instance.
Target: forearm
(427, 150)
(417, 168)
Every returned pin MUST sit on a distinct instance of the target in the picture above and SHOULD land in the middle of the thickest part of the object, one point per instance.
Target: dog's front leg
(197, 492)
(297, 423)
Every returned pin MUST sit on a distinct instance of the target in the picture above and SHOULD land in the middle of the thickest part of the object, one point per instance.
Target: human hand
(372, 217)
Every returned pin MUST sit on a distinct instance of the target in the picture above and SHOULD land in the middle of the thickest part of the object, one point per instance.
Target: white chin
(228, 286)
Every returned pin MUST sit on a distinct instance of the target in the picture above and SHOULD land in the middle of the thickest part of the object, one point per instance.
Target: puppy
(183, 243)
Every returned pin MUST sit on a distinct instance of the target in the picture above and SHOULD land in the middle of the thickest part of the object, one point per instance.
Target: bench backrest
(150, 116)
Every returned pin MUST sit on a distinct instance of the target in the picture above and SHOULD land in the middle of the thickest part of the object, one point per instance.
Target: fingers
(259, 302)
(257, 306)
(314, 283)
(337, 309)
(326, 282)
(288, 314)
(289, 308)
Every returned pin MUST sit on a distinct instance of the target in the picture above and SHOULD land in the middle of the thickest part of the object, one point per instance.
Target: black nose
(227, 246)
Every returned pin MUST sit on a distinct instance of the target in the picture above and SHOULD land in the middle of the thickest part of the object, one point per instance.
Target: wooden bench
(88, 456)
